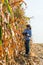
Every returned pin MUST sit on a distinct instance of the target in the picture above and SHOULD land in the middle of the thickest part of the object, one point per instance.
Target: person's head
(28, 26)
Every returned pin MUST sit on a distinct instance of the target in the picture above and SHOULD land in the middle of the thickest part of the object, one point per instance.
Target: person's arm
(24, 32)
(30, 33)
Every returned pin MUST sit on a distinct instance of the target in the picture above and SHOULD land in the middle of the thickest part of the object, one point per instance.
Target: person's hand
(28, 35)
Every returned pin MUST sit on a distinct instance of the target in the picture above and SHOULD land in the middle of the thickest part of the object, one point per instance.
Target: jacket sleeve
(30, 33)
(24, 32)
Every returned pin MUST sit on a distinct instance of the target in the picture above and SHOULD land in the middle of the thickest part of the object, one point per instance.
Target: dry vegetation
(12, 22)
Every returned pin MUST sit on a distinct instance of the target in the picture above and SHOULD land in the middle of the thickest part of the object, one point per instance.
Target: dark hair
(28, 26)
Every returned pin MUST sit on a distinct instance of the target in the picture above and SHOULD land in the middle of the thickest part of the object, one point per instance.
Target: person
(27, 36)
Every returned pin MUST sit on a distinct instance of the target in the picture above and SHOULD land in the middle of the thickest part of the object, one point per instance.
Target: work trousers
(27, 46)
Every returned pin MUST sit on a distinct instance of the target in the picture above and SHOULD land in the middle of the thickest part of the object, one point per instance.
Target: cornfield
(12, 23)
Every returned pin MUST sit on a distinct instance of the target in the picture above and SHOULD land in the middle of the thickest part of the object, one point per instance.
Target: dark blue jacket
(28, 34)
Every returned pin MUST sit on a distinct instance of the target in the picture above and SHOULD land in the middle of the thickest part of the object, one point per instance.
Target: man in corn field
(27, 37)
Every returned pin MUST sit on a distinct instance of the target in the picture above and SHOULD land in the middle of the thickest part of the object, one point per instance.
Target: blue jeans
(27, 46)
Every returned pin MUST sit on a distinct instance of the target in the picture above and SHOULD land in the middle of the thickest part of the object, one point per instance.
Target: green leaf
(8, 25)
(16, 27)
(8, 7)
(27, 18)
(6, 1)
(0, 42)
